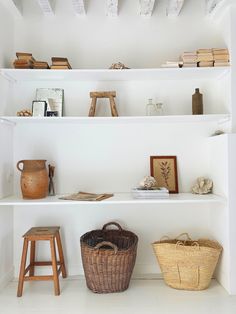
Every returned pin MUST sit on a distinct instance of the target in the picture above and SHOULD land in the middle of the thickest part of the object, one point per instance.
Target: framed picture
(164, 170)
(39, 108)
(54, 98)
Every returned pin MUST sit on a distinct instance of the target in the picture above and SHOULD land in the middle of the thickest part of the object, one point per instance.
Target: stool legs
(61, 256)
(54, 267)
(52, 235)
(32, 257)
(22, 268)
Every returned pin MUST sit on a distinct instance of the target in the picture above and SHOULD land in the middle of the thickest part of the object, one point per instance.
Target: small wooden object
(96, 95)
(51, 189)
(50, 234)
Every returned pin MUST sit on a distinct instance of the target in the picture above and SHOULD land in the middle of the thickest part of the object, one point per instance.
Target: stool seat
(33, 235)
(38, 232)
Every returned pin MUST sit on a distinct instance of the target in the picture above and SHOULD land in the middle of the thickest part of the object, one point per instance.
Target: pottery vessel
(34, 178)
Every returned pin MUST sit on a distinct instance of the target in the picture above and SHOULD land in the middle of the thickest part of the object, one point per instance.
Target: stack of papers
(154, 193)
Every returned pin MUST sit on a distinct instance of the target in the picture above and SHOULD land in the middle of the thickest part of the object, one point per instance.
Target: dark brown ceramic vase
(34, 178)
(197, 102)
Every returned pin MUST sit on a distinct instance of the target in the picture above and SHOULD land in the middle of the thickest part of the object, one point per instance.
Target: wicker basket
(108, 258)
(187, 265)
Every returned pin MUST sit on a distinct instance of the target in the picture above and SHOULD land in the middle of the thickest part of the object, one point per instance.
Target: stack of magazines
(153, 193)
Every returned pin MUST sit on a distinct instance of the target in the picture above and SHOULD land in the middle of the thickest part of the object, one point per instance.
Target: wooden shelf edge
(220, 118)
(118, 198)
(15, 75)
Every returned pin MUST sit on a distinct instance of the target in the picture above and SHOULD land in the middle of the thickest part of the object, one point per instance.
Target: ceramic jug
(34, 178)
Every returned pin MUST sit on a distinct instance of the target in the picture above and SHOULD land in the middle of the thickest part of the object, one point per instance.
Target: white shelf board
(16, 75)
(118, 198)
(218, 118)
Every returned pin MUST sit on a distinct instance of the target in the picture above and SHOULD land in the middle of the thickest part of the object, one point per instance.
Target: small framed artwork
(54, 98)
(164, 170)
(52, 113)
(39, 108)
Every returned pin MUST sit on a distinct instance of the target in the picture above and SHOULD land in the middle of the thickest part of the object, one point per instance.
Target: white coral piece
(202, 186)
(148, 182)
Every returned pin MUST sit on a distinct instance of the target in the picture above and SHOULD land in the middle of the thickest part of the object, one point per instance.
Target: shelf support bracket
(14, 6)
(79, 7)
(146, 7)
(212, 6)
(6, 121)
(174, 8)
(8, 77)
(46, 7)
(112, 8)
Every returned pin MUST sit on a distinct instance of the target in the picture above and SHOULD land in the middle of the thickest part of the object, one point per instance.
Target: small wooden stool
(42, 234)
(109, 95)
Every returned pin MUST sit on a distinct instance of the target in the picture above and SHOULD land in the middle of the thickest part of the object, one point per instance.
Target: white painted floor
(143, 296)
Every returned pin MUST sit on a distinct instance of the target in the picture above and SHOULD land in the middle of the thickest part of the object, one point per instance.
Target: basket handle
(106, 243)
(165, 237)
(195, 244)
(184, 234)
(112, 223)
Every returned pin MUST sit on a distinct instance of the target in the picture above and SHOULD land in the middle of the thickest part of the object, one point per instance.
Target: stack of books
(205, 58)
(221, 57)
(154, 193)
(40, 65)
(189, 59)
(59, 63)
(24, 60)
(172, 64)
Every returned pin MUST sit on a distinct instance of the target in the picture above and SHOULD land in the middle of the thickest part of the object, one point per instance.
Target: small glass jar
(159, 109)
(151, 108)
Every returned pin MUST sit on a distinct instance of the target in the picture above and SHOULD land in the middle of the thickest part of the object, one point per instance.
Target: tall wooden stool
(42, 234)
(109, 95)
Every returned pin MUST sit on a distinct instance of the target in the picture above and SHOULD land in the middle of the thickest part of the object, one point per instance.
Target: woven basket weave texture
(187, 265)
(108, 258)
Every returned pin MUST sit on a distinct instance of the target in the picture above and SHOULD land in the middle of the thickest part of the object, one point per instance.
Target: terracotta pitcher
(34, 178)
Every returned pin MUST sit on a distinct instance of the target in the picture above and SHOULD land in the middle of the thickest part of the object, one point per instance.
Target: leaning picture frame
(164, 170)
(39, 108)
(54, 98)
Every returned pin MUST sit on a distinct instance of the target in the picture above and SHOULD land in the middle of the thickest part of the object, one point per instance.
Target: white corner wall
(6, 212)
(6, 152)
(6, 37)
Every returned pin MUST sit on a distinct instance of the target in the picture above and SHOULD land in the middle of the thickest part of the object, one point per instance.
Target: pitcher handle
(18, 165)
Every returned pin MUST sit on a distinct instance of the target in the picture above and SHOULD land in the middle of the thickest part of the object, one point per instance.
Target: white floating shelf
(16, 75)
(118, 198)
(218, 118)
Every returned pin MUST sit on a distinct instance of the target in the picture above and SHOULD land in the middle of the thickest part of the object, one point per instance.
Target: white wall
(6, 213)
(96, 41)
(6, 52)
(6, 37)
(6, 152)
(113, 158)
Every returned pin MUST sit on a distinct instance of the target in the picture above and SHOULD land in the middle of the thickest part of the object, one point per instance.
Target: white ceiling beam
(46, 7)
(146, 7)
(174, 8)
(79, 7)
(14, 7)
(212, 5)
(112, 8)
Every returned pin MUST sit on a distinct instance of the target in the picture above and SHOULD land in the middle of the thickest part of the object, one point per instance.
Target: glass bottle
(197, 102)
(151, 109)
(159, 109)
